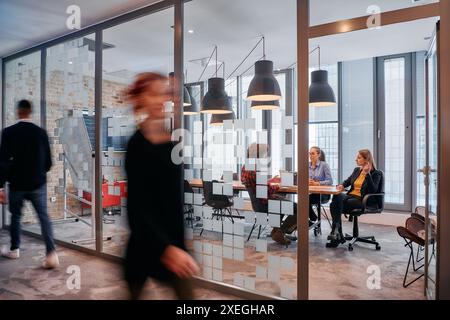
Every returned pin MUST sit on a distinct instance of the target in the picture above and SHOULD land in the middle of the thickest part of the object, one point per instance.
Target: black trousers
(343, 203)
(315, 199)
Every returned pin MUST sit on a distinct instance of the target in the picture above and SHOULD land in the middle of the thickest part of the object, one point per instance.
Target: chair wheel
(378, 247)
(350, 247)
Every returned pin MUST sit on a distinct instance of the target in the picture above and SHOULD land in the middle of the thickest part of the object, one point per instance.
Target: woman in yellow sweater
(365, 179)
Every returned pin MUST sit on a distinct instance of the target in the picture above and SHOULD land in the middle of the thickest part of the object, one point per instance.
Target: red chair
(108, 200)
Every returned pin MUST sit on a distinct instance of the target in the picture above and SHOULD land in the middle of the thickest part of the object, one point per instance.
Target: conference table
(322, 190)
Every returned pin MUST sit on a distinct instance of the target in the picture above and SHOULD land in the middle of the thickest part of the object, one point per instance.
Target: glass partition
(374, 105)
(232, 215)
(140, 45)
(22, 81)
(69, 82)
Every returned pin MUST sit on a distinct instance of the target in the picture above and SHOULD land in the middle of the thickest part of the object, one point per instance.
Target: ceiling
(235, 26)
(25, 23)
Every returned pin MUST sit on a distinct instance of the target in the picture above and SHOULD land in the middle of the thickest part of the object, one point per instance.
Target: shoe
(335, 236)
(10, 254)
(290, 238)
(279, 237)
(51, 261)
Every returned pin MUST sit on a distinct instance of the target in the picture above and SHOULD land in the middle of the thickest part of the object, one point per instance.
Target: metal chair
(412, 234)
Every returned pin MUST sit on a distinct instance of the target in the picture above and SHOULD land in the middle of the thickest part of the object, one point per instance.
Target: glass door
(430, 170)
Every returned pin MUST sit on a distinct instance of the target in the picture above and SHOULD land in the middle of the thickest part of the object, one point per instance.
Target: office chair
(320, 208)
(219, 203)
(365, 209)
(188, 208)
(411, 233)
(257, 206)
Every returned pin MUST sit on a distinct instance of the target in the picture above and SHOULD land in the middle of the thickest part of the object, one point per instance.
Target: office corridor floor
(100, 278)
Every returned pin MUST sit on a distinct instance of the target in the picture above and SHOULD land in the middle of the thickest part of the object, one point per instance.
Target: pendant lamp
(264, 86)
(192, 109)
(265, 105)
(216, 100)
(320, 92)
(217, 119)
(186, 95)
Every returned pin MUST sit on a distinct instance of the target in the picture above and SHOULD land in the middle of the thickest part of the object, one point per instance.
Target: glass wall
(69, 83)
(128, 49)
(22, 81)
(231, 236)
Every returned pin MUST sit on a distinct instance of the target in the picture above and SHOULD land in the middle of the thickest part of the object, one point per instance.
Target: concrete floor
(334, 273)
(23, 279)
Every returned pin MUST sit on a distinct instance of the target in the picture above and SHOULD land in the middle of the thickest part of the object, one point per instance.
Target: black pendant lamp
(186, 95)
(265, 105)
(264, 86)
(216, 100)
(217, 119)
(320, 92)
(192, 109)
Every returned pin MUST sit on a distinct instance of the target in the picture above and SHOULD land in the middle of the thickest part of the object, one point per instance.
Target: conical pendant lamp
(265, 105)
(186, 95)
(217, 119)
(191, 109)
(320, 92)
(264, 86)
(216, 100)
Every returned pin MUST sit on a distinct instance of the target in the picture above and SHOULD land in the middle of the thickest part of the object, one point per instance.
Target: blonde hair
(367, 155)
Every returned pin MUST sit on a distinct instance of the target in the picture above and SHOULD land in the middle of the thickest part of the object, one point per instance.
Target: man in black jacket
(25, 160)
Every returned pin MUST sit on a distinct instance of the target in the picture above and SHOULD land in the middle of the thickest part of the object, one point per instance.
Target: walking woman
(155, 208)
(364, 179)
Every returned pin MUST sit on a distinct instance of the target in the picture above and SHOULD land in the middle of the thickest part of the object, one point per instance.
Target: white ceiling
(25, 23)
(233, 25)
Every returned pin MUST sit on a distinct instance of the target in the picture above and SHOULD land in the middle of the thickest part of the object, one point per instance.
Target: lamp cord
(210, 57)
(246, 57)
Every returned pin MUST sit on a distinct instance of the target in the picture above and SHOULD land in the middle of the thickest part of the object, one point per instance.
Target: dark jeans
(343, 203)
(38, 200)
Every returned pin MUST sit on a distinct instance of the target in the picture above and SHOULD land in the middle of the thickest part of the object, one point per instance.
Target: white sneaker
(51, 261)
(10, 254)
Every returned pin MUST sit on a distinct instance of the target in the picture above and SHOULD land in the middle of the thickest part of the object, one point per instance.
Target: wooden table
(321, 190)
(238, 186)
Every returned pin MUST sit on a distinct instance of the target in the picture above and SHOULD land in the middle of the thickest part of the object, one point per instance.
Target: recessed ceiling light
(190, 31)
(70, 62)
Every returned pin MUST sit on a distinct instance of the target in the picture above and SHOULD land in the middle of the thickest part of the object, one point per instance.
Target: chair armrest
(367, 197)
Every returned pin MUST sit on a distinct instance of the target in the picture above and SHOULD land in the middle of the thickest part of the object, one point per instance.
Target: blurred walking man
(25, 160)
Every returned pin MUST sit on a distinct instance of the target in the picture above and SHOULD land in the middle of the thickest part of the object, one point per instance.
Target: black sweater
(25, 156)
(155, 207)
(372, 184)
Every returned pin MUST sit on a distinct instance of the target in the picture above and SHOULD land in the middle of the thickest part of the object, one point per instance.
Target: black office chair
(257, 206)
(188, 208)
(324, 199)
(371, 204)
(221, 204)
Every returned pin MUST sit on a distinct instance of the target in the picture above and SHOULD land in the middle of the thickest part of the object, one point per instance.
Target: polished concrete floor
(100, 279)
(334, 273)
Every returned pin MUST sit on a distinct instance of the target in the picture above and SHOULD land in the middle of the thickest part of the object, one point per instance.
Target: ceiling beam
(387, 18)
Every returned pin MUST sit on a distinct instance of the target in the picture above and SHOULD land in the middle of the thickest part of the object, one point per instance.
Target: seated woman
(365, 179)
(319, 175)
(248, 178)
